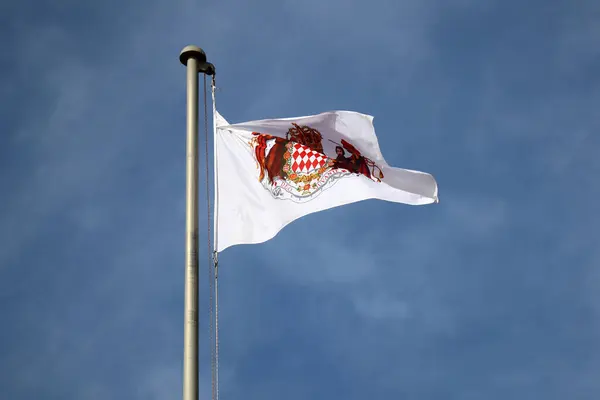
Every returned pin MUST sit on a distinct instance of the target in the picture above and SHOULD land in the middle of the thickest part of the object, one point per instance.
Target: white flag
(269, 173)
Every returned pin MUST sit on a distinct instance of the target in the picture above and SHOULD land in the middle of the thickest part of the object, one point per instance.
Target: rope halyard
(216, 263)
(213, 262)
(215, 165)
(215, 253)
(209, 246)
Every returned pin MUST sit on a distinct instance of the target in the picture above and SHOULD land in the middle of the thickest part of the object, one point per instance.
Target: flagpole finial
(192, 52)
(197, 53)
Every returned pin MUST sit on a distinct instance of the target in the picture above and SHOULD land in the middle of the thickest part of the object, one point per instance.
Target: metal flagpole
(195, 59)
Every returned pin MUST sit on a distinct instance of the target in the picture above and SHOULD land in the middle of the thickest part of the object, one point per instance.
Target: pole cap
(192, 51)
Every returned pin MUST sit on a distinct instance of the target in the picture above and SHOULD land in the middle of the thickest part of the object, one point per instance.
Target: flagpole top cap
(192, 52)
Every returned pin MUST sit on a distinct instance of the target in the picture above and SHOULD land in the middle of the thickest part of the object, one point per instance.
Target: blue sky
(491, 294)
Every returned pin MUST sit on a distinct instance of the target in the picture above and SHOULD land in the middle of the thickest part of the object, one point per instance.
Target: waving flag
(269, 173)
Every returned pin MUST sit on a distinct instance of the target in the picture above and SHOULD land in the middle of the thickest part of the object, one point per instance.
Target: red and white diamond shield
(306, 160)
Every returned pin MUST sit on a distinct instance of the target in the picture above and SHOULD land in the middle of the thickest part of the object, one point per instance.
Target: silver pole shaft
(191, 56)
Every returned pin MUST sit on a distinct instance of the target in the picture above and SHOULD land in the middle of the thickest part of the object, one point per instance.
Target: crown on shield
(306, 136)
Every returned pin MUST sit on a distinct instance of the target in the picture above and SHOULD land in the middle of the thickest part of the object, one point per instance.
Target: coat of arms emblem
(296, 167)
